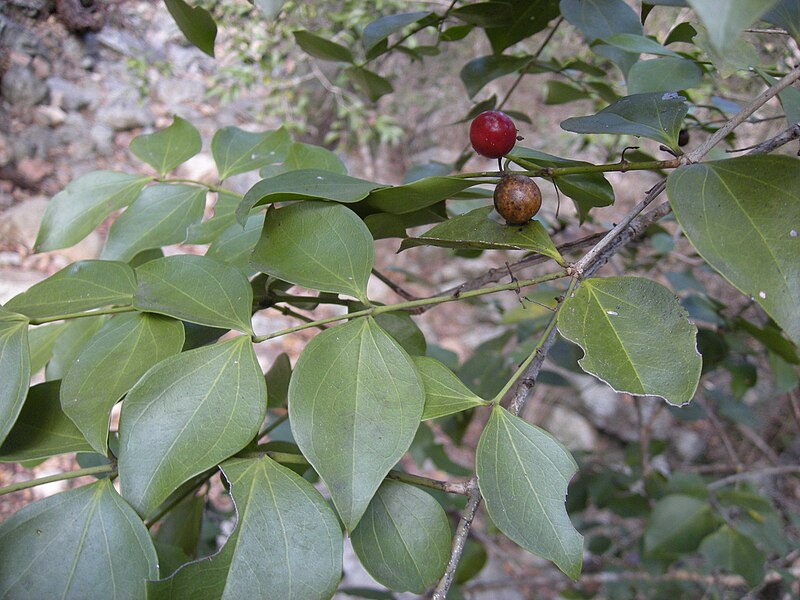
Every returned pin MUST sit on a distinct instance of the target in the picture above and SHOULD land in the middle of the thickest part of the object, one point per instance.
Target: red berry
(492, 134)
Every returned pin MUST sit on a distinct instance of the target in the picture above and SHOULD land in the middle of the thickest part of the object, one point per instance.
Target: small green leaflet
(677, 525)
(616, 320)
(196, 23)
(237, 151)
(656, 116)
(403, 539)
(79, 287)
(355, 402)
(42, 429)
(476, 230)
(166, 149)
(403, 329)
(160, 216)
(287, 543)
(319, 245)
(185, 415)
(15, 368)
(197, 289)
(728, 549)
(523, 473)
(113, 360)
(75, 211)
(82, 543)
(749, 202)
(445, 394)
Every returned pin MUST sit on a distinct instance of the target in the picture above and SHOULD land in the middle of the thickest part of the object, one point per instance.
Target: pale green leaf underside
(237, 151)
(445, 394)
(15, 369)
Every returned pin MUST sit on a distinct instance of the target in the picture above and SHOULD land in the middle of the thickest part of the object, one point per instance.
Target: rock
(34, 6)
(51, 115)
(200, 167)
(689, 444)
(5, 150)
(22, 88)
(73, 129)
(103, 138)
(571, 429)
(175, 92)
(34, 169)
(37, 142)
(20, 223)
(72, 97)
(16, 281)
(124, 114)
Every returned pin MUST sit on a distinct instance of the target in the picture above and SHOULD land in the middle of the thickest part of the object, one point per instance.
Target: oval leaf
(82, 543)
(480, 71)
(615, 321)
(748, 202)
(410, 197)
(677, 525)
(319, 47)
(166, 149)
(726, 20)
(287, 542)
(74, 212)
(663, 74)
(403, 539)
(319, 245)
(196, 289)
(369, 83)
(15, 368)
(187, 414)
(307, 156)
(355, 403)
(106, 368)
(237, 151)
(383, 27)
(445, 394)
(728, 549)
(42, 429)
(476, 230)
(523, 474)
(196, 23)
(81, 286)
(160, 216)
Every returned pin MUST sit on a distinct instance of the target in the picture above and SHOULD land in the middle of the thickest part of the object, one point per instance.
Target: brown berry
(517, 198)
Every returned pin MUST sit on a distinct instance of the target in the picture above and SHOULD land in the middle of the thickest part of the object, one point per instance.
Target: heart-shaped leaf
(445, 394)
(82, 543)
(238, 151)
(723, 206)
(615, 321)
(197, 289)
(15, 368)
(187, 414)
(355, 403)
(114, 359)
(523, 474)
(166, 149)
(196, 23)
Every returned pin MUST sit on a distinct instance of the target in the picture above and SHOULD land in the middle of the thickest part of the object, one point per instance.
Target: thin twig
(786, 136)
(24, 485)
(396, 288)
(745, 475)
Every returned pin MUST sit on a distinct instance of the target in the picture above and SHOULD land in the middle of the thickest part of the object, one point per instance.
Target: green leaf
(287, 543)
(523, 474)
(306, 184)
(187, 414)
(403, 539)
(739, 55)
(444, 392)
(79, 287)
(410, 197)
(355, 403)
(587, 190)
(682, 32)
(41, 340)
(42, 429)
(789, 98)
(387, 225)
(480, 71)
(404, 330)
(639, 44)
(654, 116)
(196, 23)
(320, 48)
(677, 525)
(160, 216)
(115, 358)
(15, 368)
(307, 156)
(319, 245)
(476, 230)
(224, 216)
(73, 338)
(528, 18)
(723, 206)
(369, 83)
(80, 207)
(197, 289)
(785, 14)
(726, 20)
(559, 92)
(237, 151)
(663, 75)
(728, 549)
(235, 245)
(82, 543)
(383, 27)
(166, 149)
(181, 527)
(278, 377)
(615, 321)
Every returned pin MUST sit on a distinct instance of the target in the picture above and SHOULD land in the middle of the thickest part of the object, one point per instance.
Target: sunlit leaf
(166, 149)
(238, 151)
(196, 23)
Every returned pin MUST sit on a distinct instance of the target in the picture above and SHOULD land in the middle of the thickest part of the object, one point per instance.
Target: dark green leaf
(403, 539)
(15, 368)
(473, 559)
(654, 116)
(445, 394)
(187, 414)
(115, 358)
(730, 550)
(196, 23)
(523, 474)
(235, 245)
(181, 527)
(74, 212)
(320, 48)
(404, 330)
(224, 216)
(79, 287)
(529, 17)
(677, 525)
(166, 149)
(682, 32)
(726, 20)
(639, 44)
(410, 197)
(771, 337)
(369, 83)
(82, 543)
(785, 14)
(615, 320)
(559, 92)
(278, 377)
(355, 390)
(480, 71)
(387, 225)
(789, 98)
(42, 429)
(486, 14)
(160, 216)
(476, 230)
(319, 245)
(41, 340)
(750, 201)
(75, 336)
(197, 289)
(237, 151)
(663, 75)
(383, 27)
